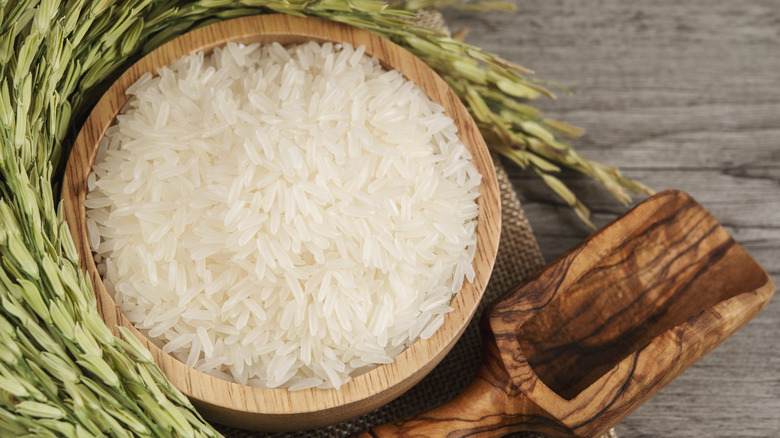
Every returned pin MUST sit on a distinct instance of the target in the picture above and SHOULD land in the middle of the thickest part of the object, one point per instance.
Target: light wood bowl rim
(272, 409)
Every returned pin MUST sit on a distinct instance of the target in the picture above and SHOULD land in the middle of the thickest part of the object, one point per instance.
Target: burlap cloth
(518, 256)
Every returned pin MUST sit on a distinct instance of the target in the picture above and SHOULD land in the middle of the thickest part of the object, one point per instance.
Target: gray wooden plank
(679, 95)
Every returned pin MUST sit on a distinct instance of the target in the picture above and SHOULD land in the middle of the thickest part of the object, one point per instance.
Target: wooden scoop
(593, 335)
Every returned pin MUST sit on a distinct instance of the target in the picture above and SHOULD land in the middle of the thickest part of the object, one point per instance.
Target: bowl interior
(274, 409)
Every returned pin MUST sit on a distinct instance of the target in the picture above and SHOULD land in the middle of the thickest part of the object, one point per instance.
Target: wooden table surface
(678, 94)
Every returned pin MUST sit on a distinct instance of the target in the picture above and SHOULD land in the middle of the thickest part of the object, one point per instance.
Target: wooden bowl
(278, 409)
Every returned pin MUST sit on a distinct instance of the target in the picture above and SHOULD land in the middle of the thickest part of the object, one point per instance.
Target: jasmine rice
(283, 217)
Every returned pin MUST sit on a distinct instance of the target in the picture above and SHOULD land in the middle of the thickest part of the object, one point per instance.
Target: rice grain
(283, 216)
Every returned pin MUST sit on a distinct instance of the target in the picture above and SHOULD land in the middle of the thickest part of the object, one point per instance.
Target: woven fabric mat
(518, 256)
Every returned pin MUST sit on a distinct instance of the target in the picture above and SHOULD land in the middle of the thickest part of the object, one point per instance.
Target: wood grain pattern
(598, 331)
(680, 95)
(271, 409)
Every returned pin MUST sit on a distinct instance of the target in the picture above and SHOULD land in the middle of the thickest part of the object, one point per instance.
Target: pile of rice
(283, 217)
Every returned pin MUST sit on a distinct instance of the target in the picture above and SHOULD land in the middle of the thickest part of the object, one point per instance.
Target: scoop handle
(491, 406)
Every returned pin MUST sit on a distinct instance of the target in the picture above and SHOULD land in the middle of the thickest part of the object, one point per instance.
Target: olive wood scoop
(594, 334)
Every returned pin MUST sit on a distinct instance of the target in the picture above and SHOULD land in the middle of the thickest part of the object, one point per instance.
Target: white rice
(283, 217)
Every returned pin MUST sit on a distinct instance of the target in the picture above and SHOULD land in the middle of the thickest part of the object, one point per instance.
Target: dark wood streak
(620, 392)
(600, 330)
